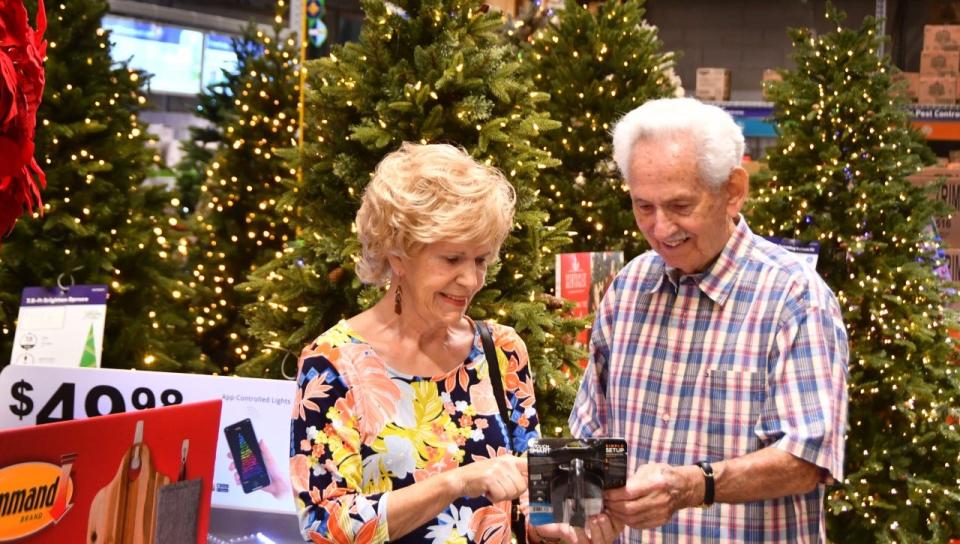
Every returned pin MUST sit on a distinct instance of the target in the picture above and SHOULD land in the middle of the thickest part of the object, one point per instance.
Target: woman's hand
(502, 478)
(600, 529)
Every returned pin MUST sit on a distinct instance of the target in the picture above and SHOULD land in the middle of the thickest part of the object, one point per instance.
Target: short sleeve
(805, 411)
(325, 468)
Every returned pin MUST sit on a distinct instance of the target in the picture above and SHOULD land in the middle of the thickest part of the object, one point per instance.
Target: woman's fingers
(498, 479)
(506, 478)
(603, 529)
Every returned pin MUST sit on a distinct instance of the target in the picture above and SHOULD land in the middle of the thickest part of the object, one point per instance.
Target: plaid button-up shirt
(750, 354)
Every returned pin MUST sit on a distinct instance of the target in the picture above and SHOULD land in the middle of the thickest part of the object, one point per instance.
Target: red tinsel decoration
(22, 51)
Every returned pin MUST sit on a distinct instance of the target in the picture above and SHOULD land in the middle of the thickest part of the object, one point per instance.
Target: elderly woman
(396, 433)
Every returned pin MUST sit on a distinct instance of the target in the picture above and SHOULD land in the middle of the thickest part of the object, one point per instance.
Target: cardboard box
(937, 90)
(508, 7)
(772, 74)
(753, 167)
(941, 37)
(953, 261)
(950, 271)
(911, 84)
(944, 12)
(939, 63)
(713, 84)
(948, 227)
(769, 75)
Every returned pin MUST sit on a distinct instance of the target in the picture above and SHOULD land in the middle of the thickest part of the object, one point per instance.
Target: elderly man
(719, 356)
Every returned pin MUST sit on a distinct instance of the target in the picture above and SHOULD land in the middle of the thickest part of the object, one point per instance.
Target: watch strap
(708, 483)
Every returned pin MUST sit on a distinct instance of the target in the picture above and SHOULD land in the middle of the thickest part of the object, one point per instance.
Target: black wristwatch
(708, 483)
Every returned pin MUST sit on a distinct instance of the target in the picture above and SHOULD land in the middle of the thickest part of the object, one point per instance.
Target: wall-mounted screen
(218, 55)
(173, 55)
(181, 60)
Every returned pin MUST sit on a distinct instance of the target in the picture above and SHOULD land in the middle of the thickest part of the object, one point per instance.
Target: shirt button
(665, 417)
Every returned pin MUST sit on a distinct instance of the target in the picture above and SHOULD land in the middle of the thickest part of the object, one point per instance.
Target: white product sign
(60, 327)
(808, 252)
(31, 395)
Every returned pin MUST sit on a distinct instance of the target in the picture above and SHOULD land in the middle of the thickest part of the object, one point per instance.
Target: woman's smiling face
(440, 279)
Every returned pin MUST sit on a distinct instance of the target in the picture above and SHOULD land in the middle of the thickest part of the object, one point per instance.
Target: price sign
(60, 327)
(99, 400)
(32, 395)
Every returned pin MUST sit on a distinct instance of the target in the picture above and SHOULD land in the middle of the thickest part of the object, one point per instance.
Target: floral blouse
(405, 429)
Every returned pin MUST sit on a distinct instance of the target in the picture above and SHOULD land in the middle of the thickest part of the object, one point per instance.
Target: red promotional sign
(583, 278)
(573, 273)
(138, 477)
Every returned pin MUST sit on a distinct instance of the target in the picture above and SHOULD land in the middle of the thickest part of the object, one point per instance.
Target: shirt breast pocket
(736, 399)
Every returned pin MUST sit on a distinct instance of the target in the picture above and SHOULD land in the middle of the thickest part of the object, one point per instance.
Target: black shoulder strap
(489, 351)
(518, 522)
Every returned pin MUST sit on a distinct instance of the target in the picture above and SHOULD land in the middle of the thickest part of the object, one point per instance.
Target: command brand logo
(33, 496)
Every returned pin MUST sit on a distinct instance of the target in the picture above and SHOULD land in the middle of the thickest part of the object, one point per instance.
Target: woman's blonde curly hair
(421, 194)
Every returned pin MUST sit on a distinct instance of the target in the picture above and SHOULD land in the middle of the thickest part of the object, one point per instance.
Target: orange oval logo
(32, 496)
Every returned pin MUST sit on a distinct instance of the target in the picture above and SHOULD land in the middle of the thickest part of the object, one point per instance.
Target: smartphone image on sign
(247, 457)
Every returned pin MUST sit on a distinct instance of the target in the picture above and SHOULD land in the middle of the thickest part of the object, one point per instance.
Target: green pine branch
(596, 67)
(100, 224)
(431, 71)
(838, 176)
(240, 223)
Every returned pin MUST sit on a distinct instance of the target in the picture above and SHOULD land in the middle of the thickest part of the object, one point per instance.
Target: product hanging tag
(809, 252)
(60, 326)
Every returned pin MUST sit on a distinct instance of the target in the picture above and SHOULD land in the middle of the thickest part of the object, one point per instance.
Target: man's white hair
(717, 139)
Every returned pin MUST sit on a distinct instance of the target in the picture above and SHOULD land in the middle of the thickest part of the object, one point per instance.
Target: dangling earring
(397, 297)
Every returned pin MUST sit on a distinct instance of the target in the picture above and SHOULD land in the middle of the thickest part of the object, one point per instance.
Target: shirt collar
(715, 282)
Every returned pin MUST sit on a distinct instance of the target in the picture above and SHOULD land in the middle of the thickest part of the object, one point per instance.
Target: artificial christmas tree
(596, 66)
(531, 17)
(422, 71)
(236, 226)
(198, 150)
(100, 223)
(838, 177)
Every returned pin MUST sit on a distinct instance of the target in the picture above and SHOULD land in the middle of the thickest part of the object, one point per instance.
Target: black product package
(567, 477)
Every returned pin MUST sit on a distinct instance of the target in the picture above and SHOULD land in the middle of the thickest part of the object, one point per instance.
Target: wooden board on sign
(124, 511)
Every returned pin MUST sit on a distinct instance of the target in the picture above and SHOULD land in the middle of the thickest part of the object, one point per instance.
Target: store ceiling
(237, 9)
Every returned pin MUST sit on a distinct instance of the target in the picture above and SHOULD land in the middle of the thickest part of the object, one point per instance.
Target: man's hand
(652, 496)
